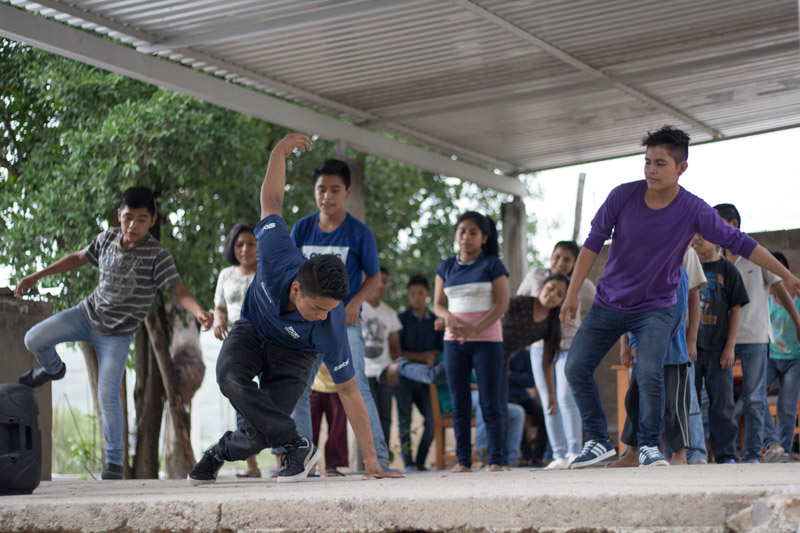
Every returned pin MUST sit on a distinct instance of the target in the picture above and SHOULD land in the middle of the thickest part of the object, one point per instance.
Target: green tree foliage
(73, 137)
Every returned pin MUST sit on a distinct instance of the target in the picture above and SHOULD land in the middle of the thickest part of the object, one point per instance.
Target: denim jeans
(302, 411)
(788, 371)
(697, 434)
(487, 360)
(432, 375)
(514, 429)
(719, 386)
(410, 393)
(599, 331)
(72, 325)
(754, 396)
(564, 429)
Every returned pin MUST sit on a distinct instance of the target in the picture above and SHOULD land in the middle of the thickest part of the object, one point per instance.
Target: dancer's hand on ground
(374, 470)
(290, 143)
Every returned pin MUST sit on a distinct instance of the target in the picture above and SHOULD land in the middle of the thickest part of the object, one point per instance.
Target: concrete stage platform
(757, 498)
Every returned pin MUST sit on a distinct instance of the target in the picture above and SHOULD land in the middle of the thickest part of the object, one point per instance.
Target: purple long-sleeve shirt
(643, 268)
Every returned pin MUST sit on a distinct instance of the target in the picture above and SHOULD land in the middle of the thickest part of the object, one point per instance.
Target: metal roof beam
(255, 28)
(556, 52)
(61, 39)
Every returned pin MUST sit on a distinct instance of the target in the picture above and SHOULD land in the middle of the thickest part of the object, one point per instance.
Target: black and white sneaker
(206, 470)
(593, 452)
(650, 456)
(299, 458)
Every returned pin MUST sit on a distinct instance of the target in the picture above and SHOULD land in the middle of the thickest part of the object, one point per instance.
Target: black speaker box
(20, 440)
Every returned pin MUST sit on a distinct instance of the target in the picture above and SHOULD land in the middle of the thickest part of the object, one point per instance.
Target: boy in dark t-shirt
(292, 311)
(720, 302)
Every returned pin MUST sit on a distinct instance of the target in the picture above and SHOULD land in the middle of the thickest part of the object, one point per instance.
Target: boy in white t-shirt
(380, 326)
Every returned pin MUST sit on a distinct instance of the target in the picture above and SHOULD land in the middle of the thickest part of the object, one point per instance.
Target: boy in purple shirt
(652, 223)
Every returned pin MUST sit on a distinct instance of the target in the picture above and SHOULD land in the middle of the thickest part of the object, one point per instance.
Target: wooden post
(515, 241)
(578, 206)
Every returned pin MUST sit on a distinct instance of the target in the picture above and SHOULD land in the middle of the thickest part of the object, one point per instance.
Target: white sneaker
(557, 464)
(571, 457)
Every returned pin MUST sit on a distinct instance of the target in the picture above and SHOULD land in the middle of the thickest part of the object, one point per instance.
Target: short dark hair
(229, 248)
(419, 279)
(553, 333)
(674, 140)
(729, 212)
(781, 259)
(324, 275)
(570, 246)
(138, 197)
(333, 167)
(487, 227)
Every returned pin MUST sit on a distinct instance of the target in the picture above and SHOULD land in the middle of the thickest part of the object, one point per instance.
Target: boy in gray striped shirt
(133, 266)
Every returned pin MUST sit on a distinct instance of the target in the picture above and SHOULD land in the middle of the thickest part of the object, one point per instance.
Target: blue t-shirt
(352, 242)
(678, 353)
(268, 296)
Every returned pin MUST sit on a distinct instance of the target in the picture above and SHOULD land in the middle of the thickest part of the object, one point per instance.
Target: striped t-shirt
(468, 288)
(129, 279)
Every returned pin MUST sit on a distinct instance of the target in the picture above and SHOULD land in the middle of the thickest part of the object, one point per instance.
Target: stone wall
(16, 317)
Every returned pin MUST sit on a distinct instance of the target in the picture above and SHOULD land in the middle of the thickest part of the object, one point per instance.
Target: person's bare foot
(678, 458)
(628, 460)
(458, 469)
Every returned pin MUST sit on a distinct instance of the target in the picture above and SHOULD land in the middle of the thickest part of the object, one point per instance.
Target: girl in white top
(564, 428)
(240, 251)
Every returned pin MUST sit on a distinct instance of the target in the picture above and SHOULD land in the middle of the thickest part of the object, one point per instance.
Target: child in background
(379, 324)
(652, 222)
(420, 342)
(239, 251)
(784, 365)
(564, 428)
(471, 294)
(755, 334)
(720, 301)
(325, 401)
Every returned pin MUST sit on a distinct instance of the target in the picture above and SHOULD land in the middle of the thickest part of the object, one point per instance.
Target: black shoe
(112, 471)
(206, 470)
(299, 459)
(38, 377)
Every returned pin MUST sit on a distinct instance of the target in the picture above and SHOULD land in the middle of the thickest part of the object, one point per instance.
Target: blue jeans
(600, 330)
(516, 425)
(487, 360)
(754, 396)
(72, 325)
(788, 371)
(563, 428)
(302, 411)
(719, 388)
(697, 434)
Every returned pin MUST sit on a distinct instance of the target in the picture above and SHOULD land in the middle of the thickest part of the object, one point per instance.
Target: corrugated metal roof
(516, 85)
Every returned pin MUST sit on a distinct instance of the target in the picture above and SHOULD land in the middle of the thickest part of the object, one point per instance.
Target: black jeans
(383, 394)
(266, 408)
(410, 393)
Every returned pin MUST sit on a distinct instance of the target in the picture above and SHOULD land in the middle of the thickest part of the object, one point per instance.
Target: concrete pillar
(357, 204)
(16, 318)
(515, 241)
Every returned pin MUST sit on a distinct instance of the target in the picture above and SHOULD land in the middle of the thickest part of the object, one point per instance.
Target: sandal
(332, 472)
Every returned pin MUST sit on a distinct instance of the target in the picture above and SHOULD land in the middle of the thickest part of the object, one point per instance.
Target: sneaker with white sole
(650, 456)
(557, 464)
(299, 459)
(593, 452)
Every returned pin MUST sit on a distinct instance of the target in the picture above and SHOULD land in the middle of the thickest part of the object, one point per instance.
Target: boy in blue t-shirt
(292, 311)
(332, 230)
